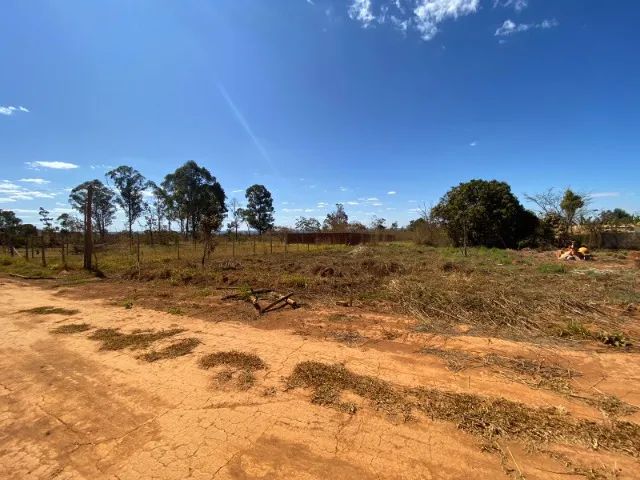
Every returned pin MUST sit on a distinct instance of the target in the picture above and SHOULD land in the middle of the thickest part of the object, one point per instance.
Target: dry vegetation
(113, 339)
(489, 418)
(176, 349)
(71, 328)
(47, 310)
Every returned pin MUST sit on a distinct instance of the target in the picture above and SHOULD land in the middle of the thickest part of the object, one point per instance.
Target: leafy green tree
(571, 204)
(131, 185)
(9, 228)
(336, 221)
(481, 212)
(103, 208)
(193, 196)
(259, 211)
(304, 224)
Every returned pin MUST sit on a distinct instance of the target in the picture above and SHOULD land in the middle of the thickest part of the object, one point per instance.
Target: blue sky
(381, 105)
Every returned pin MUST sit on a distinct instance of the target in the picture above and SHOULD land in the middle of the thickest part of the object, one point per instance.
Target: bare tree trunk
(88, 230)
(42, 254)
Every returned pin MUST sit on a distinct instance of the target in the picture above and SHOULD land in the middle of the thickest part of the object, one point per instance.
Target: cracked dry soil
(69, 410)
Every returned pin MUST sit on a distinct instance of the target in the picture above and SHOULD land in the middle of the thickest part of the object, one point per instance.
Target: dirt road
(69, 410)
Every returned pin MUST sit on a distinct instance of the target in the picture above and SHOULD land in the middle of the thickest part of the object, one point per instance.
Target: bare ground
(69, 410)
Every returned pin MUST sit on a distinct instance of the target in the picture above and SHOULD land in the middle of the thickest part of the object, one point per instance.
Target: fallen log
(254, 301)
(284, 298)
(243, 294)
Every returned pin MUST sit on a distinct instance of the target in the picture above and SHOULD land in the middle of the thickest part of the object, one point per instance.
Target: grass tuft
(235, 359)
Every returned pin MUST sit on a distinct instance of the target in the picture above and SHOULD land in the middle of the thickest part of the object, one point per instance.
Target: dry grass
(239, 365)
(234, 359)
(71, 328)
(488, 418)
(534, 373)
(611, 406)
(113, 339)
(176, 349)
(47, 310)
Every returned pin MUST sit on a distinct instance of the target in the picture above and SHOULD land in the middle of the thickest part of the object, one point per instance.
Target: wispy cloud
(239, 190)
(53, 165)
(517, 5)
(425, 17)
(391, 192)
(37, 181)
(101, 166)
(360, 10)
(430, 13)
(10, 110)
(604, 194)
(509, 27)
(11, 192)
(344, 189)
(473, 144)
(245, 125)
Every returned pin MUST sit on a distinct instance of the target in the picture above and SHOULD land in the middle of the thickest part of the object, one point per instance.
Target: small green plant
(294, 280)
(574, 329)
(128, 304)
(175, 311)
(552, 268)
(616, 339)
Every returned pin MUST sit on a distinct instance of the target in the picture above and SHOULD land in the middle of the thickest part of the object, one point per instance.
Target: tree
(68, 223)
(130, 185)
(378, 223)
(9, 226)
(259, 211)
(486, 213)
(336, 221)
(617, 216)
(357, 227)
(571, 204)
(46, 219)
(193, 193)
(304, 224)
(103, 209)
(236, 217)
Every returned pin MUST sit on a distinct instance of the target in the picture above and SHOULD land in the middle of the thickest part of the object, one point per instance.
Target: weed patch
(47, 310)
(71, 328)
(234, 359)
(113, 339)
(488, 418)
(176, 349)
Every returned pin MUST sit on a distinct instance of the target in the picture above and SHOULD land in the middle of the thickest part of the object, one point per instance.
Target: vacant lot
(401, 362)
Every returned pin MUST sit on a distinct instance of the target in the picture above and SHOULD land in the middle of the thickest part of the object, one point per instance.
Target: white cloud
(360, 10)
(391, 192)
(517, 5)
(322, 205)
(37, 181)
(509, 27)
(430, 13)
(54, 165)
(11, 191)
(101, 166)
(604, 194)
(10, 110)
(372, 199)
(473, 144)
(6, 200)
(353, 203)
(237, 191)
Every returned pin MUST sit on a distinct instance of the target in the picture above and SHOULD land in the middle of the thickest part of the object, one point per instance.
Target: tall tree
(103, 209)
(160, 207)
(236, 217)
(130, 185)
(194, 195)
(46, 219)
(337, 221)
(68, 223)
(481, 212)
(259, 211)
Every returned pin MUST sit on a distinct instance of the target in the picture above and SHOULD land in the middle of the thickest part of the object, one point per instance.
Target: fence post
(44, 259)
(26, 248)
(271, 241)
(178, 247)
(138, 248)
(64, 258)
